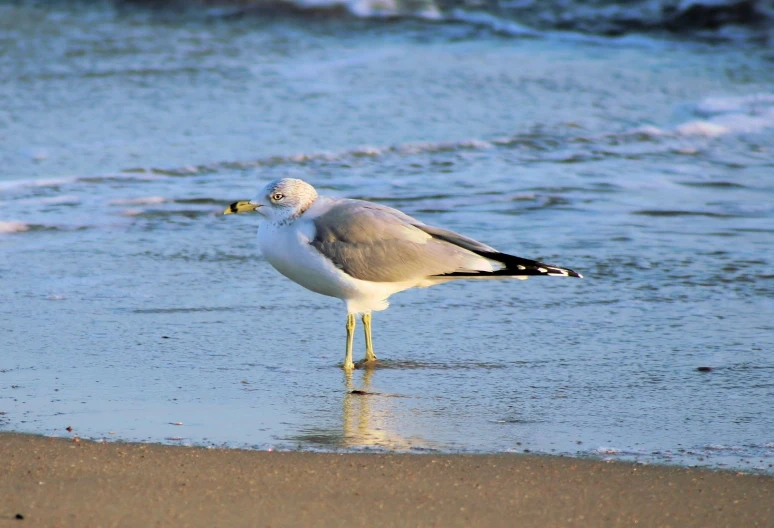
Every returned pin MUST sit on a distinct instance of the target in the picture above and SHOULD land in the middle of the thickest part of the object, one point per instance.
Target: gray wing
(380, 244)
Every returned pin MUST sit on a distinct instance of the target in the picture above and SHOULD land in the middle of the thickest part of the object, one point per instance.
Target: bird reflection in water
(370, 418)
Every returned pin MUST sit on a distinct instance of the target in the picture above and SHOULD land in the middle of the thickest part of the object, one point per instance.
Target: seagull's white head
(279, 201)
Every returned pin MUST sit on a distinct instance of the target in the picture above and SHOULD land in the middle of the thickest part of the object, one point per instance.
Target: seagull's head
(279, 200)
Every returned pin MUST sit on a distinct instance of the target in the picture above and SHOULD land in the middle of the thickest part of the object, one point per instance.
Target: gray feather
(455, 238)
(380, 244)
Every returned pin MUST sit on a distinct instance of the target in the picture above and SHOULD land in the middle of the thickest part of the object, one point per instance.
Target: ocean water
(131, 309)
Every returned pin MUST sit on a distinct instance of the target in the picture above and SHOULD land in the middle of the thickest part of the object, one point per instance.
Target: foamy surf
(67, 199)
(13, 227)
(716, 19)
(716, 117)
(144, 200)
(701, 128)
(750, 114)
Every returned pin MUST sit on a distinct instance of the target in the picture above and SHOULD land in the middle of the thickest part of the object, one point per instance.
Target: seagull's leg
(348, 364)
(370, 356)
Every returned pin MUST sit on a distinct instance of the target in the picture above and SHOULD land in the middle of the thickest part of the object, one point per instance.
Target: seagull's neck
(283, 222)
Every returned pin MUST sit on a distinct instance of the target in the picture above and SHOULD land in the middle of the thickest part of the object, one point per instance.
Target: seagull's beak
(240, 207)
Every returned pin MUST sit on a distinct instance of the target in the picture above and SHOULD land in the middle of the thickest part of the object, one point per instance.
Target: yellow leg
(348, 363)
(370, 356)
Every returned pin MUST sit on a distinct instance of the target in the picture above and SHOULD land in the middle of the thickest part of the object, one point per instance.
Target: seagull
(363, 252)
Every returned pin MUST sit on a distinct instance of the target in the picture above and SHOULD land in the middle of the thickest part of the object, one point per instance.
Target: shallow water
(129, 304)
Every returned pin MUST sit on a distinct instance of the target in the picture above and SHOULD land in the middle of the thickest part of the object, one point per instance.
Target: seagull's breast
(288, 250)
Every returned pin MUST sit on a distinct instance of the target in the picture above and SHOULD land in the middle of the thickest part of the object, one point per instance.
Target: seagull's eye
(276, 197)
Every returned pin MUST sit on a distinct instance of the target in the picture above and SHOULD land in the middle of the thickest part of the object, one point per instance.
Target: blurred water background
(631, 141)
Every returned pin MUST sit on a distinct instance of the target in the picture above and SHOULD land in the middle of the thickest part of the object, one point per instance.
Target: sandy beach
(62, 482)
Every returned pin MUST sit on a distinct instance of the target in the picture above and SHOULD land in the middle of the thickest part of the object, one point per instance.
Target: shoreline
(61, 482)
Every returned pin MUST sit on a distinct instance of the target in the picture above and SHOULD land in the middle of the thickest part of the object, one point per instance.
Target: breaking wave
(713, 18)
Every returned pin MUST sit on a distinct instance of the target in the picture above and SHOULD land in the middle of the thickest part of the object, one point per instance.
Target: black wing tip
(542, 271)
(521, 266)
(514, 266)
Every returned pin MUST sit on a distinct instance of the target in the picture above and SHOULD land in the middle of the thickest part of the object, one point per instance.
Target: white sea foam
(749, 114)
(475, 144)
(368, 151)
(607, 450)
(379, 8)
(715, 447)
(13, 227)
(65, 199)
(580, 21)
(742, 104)
(43, 182)
(57, 182)
(145, 200)
(748, 123)
(648, 130)
(425, 9)
(701, 128)
(55, 297)
(132, 212)
(492, 22)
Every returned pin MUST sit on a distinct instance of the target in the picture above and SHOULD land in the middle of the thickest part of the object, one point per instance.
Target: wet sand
(60, 482)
